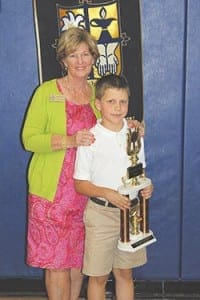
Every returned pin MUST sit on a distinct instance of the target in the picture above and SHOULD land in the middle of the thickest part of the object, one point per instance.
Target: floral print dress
(55, 237)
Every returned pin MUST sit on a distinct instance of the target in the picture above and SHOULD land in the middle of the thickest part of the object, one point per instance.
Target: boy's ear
(98, 104)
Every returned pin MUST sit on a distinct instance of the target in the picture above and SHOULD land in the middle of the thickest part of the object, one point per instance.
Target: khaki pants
(102, 233)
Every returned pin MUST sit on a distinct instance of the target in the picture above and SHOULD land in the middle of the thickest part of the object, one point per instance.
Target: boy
(98, 172)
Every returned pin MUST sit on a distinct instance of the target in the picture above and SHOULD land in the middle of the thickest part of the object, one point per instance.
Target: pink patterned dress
(55, 229)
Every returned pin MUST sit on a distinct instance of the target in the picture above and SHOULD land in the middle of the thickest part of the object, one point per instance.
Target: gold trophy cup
(134, 228)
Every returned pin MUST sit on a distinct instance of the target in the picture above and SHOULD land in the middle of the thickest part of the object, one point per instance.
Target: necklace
(76, 88)
(79, 94)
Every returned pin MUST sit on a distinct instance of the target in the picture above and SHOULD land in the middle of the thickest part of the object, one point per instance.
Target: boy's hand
(117, 199)
(147, 191)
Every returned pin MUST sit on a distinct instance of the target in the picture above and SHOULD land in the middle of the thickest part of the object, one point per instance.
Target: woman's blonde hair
(69, 41)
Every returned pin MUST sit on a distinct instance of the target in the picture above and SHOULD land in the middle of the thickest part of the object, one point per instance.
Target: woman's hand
(81, 138)
(84, 138)
(132, 123)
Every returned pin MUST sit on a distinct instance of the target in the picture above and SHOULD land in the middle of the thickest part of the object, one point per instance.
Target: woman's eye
(86, 54)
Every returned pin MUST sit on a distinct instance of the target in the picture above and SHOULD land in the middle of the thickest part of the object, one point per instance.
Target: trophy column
(124, 226)
(144, 212)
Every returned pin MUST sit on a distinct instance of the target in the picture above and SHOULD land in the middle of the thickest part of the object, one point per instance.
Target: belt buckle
(106, 203)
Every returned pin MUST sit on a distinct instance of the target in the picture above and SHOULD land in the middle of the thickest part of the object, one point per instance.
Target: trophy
(134, 228)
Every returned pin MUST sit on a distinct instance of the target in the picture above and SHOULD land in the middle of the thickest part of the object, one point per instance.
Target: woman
(57, 121)
(59, 116)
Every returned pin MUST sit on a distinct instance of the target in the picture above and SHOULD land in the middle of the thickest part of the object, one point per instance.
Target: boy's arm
(89, 189)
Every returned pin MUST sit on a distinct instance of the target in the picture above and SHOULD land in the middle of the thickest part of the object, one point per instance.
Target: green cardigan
(46, 116)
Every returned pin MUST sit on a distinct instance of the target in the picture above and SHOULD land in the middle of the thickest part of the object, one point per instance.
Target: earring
(64, 70)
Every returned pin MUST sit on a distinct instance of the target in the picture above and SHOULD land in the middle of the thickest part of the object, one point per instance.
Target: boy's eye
(124, 101)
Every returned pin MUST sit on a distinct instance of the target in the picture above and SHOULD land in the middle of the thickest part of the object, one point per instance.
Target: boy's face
(114, 107)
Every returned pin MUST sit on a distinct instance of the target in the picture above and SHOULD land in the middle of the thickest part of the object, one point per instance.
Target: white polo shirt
(105, 162)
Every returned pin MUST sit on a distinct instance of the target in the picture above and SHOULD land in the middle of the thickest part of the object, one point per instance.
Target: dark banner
(116, 27)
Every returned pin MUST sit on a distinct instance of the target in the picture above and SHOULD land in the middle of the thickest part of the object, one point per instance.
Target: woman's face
(79, 63)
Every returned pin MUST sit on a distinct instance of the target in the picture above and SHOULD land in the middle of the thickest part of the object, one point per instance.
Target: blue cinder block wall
(171, 64)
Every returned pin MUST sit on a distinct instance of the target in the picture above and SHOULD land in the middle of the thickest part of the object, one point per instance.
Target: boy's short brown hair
(111, 81)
